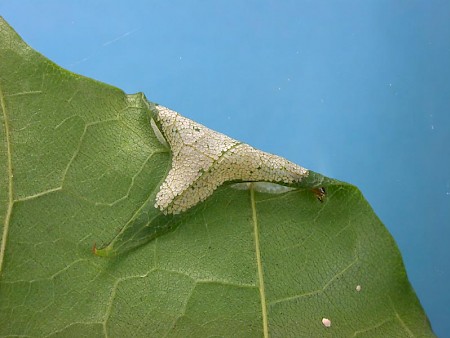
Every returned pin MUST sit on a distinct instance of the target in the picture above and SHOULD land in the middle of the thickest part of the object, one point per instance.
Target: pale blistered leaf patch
(263, 187)
(203, 159)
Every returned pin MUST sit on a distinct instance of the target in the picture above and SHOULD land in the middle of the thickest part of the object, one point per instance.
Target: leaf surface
(79, 164)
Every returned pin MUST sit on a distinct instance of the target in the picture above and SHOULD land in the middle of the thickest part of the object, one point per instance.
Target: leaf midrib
(262, 292)
(10, 182)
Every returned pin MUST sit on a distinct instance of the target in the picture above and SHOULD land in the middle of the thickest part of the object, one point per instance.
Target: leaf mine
(203, 159)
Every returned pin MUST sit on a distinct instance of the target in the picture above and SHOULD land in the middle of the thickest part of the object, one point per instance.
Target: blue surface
(357, 90)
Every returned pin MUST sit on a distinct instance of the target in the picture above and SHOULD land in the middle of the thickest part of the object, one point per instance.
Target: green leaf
(80, 164)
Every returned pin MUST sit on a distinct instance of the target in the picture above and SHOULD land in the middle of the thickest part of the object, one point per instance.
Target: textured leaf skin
(85, 164)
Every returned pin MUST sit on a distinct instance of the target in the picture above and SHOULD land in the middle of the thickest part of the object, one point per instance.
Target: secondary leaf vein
(10, 181)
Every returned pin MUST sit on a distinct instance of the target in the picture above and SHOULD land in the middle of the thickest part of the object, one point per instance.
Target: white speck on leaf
(358, 288)
(326, 322)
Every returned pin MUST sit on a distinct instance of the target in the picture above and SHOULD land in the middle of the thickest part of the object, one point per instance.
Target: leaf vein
(39, 194)
(10, 181)
(322, 289)
(402, 323)
(262, 292)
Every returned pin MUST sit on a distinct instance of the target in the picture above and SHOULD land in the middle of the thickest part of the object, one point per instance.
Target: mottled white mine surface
(203, 159)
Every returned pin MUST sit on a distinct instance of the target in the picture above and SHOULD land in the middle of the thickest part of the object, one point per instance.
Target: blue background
(356, 90)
